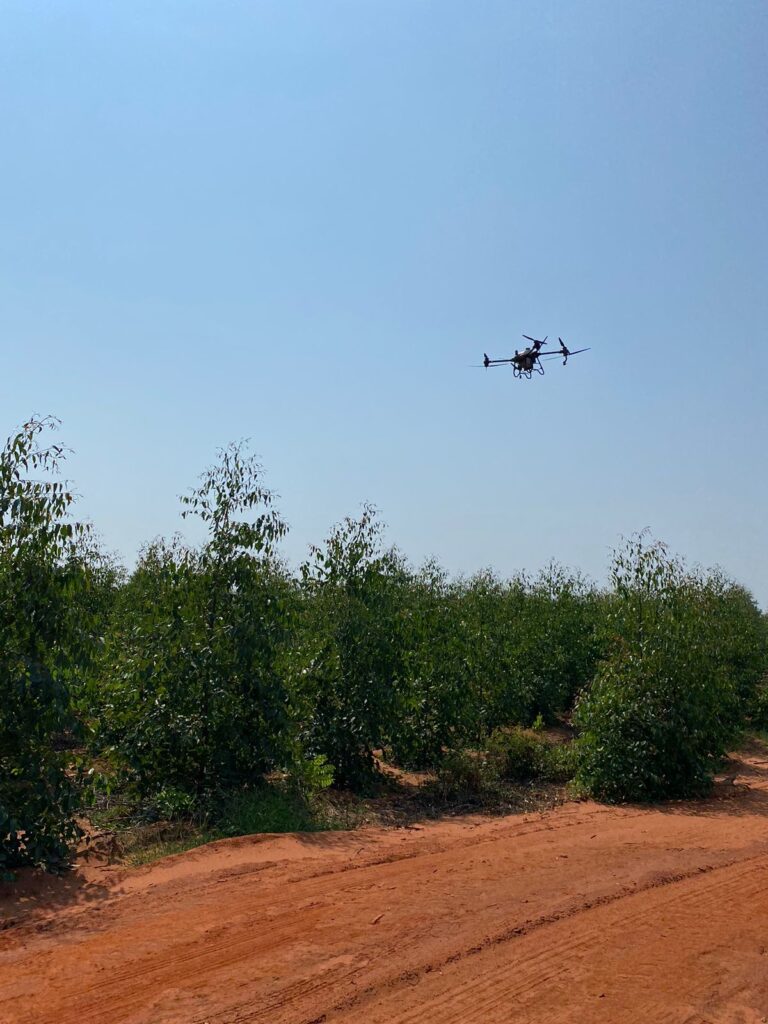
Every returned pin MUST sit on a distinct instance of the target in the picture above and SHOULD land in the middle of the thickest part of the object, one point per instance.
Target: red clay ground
(581, 914)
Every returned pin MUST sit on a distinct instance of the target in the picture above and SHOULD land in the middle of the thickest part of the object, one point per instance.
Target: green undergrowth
(137, 833)
(514, 762)
(147, 852)
(519, 772)
(268, 810)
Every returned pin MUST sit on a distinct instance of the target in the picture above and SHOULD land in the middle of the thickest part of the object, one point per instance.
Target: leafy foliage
(465, 774)
(436, 700)
(268, 808)
(39, 580)
(522, 755)
(484, 653)
(188, 694)
(759, 705)
(348, 659)
(665, 702)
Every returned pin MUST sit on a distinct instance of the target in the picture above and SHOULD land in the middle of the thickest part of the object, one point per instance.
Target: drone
(528, 362)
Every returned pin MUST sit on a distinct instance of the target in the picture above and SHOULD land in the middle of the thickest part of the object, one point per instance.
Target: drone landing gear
(521, 371)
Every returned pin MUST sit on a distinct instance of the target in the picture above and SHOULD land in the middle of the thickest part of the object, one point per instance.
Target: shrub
(521, 755)
(663, 706)
(309, 776)
(561, 762)
(266, 808)
(462, 774)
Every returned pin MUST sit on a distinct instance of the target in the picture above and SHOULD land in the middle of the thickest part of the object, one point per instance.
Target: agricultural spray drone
(528, 362)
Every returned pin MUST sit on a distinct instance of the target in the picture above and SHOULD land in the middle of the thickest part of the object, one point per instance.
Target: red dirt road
(582, 914)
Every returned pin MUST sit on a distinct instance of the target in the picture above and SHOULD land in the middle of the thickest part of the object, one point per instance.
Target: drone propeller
(567, 353)
(530, 357)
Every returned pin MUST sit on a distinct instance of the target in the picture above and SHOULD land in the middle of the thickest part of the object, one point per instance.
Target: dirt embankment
(583, 914)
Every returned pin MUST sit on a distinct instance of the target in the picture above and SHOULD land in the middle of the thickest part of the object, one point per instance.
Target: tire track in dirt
(480, 999)
(318, 884)
(216, 956)
(202, 873)
(448, 922)
(414, 975)
(492, 990)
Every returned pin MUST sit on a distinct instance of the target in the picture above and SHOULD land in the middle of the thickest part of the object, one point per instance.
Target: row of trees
(214, 664)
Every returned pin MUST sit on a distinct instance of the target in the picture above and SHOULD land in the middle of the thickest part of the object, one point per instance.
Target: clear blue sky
(300, 220)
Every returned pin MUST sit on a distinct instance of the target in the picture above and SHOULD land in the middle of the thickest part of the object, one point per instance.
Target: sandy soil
(584, 914)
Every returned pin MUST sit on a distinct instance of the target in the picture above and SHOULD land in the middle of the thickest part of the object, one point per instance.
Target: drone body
(528, 362)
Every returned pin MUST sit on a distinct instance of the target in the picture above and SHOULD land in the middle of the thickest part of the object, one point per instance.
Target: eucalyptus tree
(191, 696)
(348, 663)
(40, 578)
(684, 653)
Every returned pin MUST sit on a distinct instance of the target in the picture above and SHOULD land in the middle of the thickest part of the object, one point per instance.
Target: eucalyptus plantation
(210, 668)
